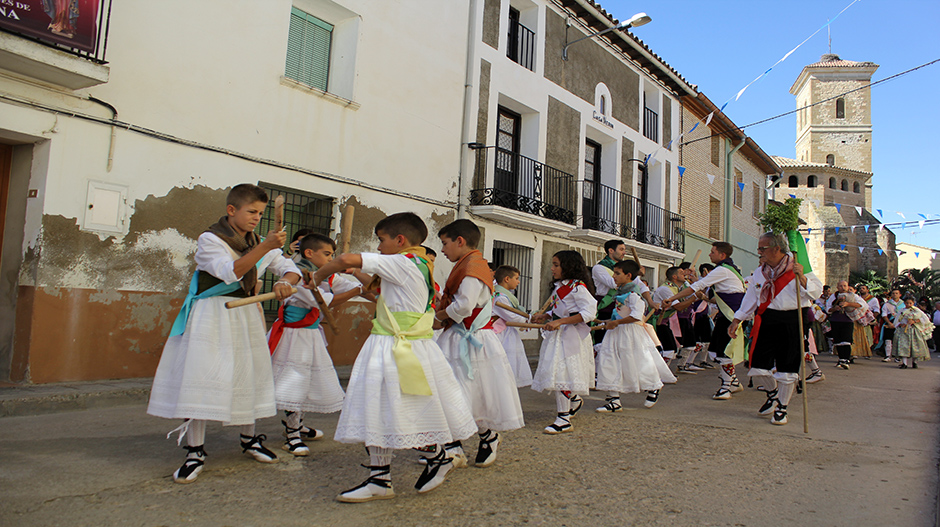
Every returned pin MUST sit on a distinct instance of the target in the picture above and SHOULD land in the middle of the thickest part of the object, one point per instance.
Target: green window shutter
(308, 50)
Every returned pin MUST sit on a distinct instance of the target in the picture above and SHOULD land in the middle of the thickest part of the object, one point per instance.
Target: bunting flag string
(862, 248)
(881, 226)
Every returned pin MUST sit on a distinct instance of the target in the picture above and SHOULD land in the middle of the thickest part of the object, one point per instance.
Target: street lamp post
(636, 20)
(644, 195)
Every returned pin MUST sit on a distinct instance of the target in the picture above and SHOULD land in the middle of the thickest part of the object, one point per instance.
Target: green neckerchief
(607, 262)
(508, 294)
(629, 287)
(306, 265)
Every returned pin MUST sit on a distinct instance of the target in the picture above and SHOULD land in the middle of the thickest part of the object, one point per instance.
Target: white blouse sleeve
(585, 303)
(466, 299)
(505, 314)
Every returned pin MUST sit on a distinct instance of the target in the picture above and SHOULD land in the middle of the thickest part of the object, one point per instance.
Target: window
(758, 195)
(302, 210)
(714, 218)
(833, 184)
(716, 150)
(590, 193)
(830, 159)
(840, 108)
(793, 182)
(811, 181)
(856, 188)
(650, 122)
(603, 105)
(520, 257)
(308, 50)
(738, 188)
(520, 46)
(845, 185)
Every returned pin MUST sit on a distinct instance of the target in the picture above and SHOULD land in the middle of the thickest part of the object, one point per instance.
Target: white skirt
(624, 363)
(492, 393)
(304, 377)
(377, 413)
(219, 369)
(665, 374)
(557, 372)
(515, 352)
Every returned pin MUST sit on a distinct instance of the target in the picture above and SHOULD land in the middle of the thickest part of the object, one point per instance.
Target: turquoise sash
(220, 289)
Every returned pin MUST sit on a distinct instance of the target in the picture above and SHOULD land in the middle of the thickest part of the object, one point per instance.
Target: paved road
(870, 459)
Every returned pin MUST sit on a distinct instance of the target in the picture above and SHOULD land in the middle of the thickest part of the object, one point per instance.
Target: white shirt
(873, 305)
(215, 257)
(633, 306)
(784, 301)
(579, 300)
(662, 293)
(722, 280)
(603, 279)
(403, 286)
(505, 314)
(889, 309)
(471, 294)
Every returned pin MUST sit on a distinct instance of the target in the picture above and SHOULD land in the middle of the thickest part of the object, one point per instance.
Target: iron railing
(624, 216)
(98, 48)
(506, 179)
(521, 46)
(650, 125)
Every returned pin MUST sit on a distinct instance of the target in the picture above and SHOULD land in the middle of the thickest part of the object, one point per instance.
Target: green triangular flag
(798, 247)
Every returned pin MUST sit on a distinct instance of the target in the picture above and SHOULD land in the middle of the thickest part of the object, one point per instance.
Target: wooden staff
(526, 325)
(799, 315)
(347, 227)
(698, 253)
(636, 257)
(279, 213)
(512, 309)
(254, 299)
(544, 306)
(324, 307)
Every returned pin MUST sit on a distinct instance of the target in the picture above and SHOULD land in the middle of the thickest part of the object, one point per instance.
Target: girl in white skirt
(402, 392)
(471, 346)
(566, 358)
(507, 280)
(304, 377)
(625, 361)
(216, 365)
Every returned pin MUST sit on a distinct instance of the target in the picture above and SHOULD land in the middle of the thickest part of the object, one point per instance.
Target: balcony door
(507, 152)
(590, 193)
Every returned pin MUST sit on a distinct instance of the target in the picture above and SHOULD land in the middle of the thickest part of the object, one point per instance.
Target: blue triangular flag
(822, 243)
(809, 230)
(837, 230)
(722, 107)
(922, 216)
(681, 171)
(693, 128)
(904, 225)
(838, 207)
(741, 186)
(916, 255)
(842, 247)
(880, 252)
(880, 213)
(793, 195)
(866, 228)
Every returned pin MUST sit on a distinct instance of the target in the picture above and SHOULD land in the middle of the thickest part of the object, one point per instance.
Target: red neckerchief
(778, 286)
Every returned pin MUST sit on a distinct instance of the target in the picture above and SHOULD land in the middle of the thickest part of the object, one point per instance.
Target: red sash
(277, 329)
(779, 284)
(467, 322)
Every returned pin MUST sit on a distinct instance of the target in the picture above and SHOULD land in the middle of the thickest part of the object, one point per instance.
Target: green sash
(405, 326)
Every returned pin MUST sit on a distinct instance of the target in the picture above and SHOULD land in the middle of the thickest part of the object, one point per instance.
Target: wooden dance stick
(544, 306)
(698, 253)
(636, 257)
(324, 307)
(254, 299)
(279, 213)
(526, 325)
(347, 227)
(512, 309)
(799, 316)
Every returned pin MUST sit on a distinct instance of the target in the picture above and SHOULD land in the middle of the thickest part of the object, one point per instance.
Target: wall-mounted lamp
(636, 20)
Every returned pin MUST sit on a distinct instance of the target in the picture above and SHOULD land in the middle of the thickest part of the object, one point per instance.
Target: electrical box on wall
(105, 208)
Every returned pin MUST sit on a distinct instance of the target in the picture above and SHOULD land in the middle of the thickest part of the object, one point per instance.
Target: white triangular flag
(711, 178)
(921, 223)
(881, 227)
(859, 210)
(901, 214)
(709, 118)
(860, 249)
(852, 228)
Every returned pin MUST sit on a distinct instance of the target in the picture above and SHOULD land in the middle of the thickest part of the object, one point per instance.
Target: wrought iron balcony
(651, 125)
(521, 45)
(513, 181)
(612, 211)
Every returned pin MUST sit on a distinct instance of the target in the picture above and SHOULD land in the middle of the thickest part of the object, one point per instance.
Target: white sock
(196, 434)
(380, 456)
(785, 391)
(247, 430)
(763, 378)
(689, 354)
(562, 403)
(888, 345)
(294, 419)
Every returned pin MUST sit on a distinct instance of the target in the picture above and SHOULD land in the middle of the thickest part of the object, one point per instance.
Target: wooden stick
(279, 213)
(544, 306)
(347, 227)
(799, 315)
(698, 253)
(254, 299)
(512, 309)
(325, 309)
(526, 325)
(636, 257)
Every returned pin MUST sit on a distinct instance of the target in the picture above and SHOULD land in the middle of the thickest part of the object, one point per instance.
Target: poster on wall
(72, 23)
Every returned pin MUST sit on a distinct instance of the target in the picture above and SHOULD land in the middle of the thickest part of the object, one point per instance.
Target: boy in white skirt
(470, 344)
(402, 392)
(304, 377)
(507, 280)
(215, 365)
(625, 362)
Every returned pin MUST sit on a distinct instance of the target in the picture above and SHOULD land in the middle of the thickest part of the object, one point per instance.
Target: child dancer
(304, 377)
(702, 322)
(667, 323)
(470, 345)
(566, 358)
(625, 361)
(215, 365)
(402, 392)
(913, 330)
(507, 280)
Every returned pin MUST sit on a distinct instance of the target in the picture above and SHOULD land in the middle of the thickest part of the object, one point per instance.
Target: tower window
(832, 183)
(845, 185)
(794, 182)
(831, 160)
(811, 181)
(840, 108)
(856, 188)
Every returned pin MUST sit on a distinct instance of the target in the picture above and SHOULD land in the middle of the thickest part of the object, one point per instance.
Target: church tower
(836, 132)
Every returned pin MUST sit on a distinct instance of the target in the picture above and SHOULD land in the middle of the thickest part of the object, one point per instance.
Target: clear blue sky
(721, 45)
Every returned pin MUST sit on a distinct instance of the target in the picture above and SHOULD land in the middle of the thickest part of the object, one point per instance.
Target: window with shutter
(308, 50)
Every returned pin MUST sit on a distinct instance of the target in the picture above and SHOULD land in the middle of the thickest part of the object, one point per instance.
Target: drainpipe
(114, 116)
(729, 186)
(466, 132)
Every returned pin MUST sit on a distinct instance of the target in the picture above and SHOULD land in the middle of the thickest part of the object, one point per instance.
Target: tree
(919, 282)
(877, 284)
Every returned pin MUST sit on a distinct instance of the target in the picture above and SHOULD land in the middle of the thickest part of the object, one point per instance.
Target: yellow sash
(416, 326)
(735, 350)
